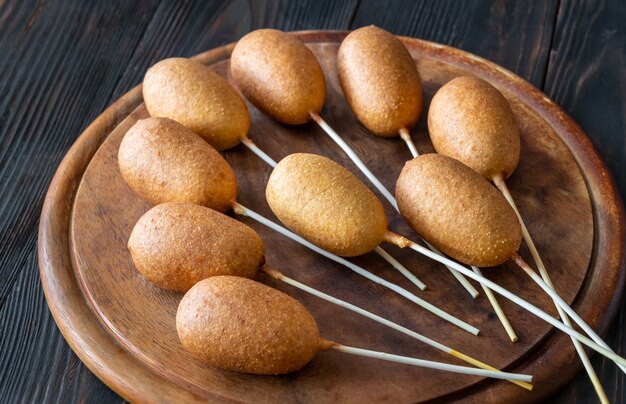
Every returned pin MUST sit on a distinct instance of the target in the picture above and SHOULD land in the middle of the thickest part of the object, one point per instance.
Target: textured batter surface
(326, 204)
(279, 75)
(241, 325)
(192, 94)
(176, 245)
(471, 121)
(457, 211)
(380, 81)
(164, 161)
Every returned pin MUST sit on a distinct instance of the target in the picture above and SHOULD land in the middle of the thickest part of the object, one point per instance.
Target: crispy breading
(241, 325)
(471, 121)
(192, 94)
(326, 204)
(279, 75)
(452, 207)
(163, 161)
(380, 81)
(175, 245)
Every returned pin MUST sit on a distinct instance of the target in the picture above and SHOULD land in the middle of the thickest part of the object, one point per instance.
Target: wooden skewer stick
(404, 134)
(256, 150)
(274, 273)
(242, 210)
(408, 274)
(498, 309)
(249, 143)
(504, 189)
(355, 159)
(430, 364)
(561, 303)
(403, 242)
(457, 275)
(378, 185)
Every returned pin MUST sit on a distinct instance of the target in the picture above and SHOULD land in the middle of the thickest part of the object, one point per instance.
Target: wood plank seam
(551, 45)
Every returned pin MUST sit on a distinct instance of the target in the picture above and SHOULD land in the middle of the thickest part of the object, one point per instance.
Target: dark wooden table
(63, 62)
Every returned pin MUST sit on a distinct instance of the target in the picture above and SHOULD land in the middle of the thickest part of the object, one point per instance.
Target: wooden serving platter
(123, 327)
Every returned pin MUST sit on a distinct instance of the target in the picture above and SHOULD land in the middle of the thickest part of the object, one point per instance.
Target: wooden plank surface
(63, 62)
(513, 34)
(60, 64)
(586, 76)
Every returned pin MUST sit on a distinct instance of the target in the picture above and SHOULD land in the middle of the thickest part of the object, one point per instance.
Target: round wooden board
(122, 327)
